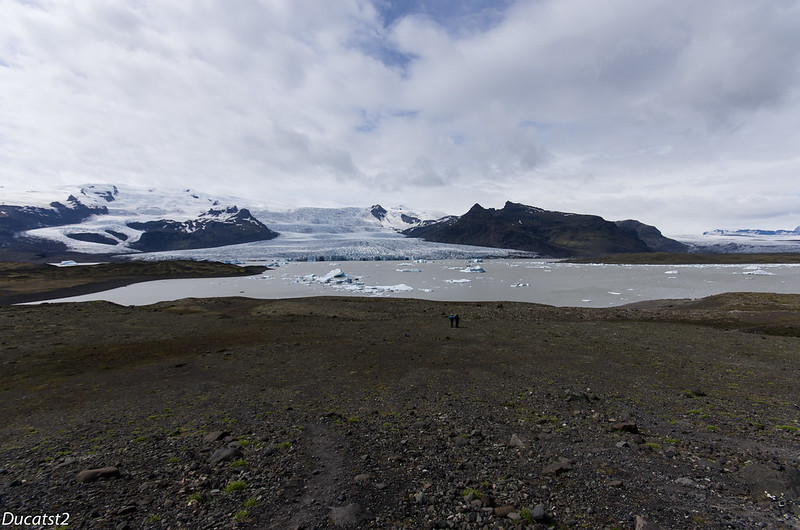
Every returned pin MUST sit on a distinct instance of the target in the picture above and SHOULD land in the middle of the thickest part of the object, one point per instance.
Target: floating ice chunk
(463, 280)
(477, 268)
(67, 263)
(335, 273)
(612, 292)
(759, 272)
(409, 270)
(520, 284)
(671, 272)
(381, 289)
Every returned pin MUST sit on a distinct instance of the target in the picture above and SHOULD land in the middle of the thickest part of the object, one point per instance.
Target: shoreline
(23, 282)
(26, 284)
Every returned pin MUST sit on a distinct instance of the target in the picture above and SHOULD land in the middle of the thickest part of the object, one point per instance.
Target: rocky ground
(375, 413)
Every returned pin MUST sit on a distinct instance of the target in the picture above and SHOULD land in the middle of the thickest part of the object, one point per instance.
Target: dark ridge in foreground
(375, 413)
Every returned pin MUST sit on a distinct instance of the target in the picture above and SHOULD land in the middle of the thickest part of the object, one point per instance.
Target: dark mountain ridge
(548, 233)
(15, 219)
(215, 228)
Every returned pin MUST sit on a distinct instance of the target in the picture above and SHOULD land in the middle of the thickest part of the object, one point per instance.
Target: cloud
(616, 108)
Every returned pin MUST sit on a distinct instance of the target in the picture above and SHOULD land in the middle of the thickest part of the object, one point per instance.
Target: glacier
(306, 233)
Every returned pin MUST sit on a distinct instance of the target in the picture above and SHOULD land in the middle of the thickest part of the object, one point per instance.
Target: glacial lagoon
(522, 280)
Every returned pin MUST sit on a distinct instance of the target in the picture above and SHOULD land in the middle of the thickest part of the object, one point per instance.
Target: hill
(548, 233)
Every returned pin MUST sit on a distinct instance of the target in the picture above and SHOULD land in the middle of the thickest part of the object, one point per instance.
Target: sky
(678, 113)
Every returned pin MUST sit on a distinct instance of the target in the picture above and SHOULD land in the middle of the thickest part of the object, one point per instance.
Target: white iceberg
(335, 273)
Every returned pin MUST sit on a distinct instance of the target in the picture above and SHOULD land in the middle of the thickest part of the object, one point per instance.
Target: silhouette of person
(457, 319)
(452, 320)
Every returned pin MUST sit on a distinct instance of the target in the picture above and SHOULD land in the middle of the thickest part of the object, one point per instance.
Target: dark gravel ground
(375, 413)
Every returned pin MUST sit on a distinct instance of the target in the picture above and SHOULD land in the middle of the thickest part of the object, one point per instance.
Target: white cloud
(679, 113)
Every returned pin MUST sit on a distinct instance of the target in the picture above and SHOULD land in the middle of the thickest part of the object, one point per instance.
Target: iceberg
(335, 273)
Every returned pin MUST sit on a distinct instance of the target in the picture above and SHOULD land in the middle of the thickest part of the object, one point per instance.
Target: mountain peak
(477, 208)
(555, 234)
(379, 212)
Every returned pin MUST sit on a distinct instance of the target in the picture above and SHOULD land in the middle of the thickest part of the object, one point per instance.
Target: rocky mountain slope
(111, 220)
(548, 233)
(214, 228)
(107, 219)
(19, 219)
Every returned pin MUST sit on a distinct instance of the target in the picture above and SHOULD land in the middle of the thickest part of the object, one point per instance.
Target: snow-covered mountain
(342, 220)
(745, 241)
(161, 224)
(750, 232)
(113, 219)
(108, 219)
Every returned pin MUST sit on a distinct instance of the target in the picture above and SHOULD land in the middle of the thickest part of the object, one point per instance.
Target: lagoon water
(539, 281)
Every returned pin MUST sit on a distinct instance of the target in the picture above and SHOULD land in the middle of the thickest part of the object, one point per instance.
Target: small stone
(503, 511)
(460, 441)
(516, 441)
(214, 436)
(363, 477)
(615, 483)
(90, 475)
(573, 396)
(538, 513)
(223, 454)
(644, 524)
(684, 481)
(514, 516)
(67, 462)
(557, 468)
(626, 426)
